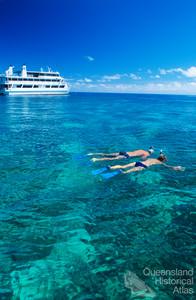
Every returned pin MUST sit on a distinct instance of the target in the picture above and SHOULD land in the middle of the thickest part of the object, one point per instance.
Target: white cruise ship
(32, 83)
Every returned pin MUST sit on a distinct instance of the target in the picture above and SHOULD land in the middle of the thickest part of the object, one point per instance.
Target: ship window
(27, 86)
(47, 86)
(36, 86)
(19, 85)
(54, 86)
(8, 86)
(49, 74)
(62, 86)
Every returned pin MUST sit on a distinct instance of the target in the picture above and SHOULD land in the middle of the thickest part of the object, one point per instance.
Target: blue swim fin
(111, 174)
(99, 171)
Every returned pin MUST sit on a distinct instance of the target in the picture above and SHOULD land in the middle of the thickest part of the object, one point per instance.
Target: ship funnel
(24, 71)
(9, 72)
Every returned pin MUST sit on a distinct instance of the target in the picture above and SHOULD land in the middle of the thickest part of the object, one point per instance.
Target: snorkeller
(140, 166)
(123, 155)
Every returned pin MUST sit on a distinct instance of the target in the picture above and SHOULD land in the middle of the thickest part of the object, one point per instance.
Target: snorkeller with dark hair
(122, 155)
(140, 166)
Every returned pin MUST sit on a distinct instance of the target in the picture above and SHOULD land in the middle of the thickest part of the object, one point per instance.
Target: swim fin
(111, 174)
(99, 171)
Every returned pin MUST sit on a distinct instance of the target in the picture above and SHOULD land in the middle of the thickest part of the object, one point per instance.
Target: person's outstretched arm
(175, 168)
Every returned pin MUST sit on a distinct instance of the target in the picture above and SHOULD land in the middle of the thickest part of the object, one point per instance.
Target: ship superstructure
(32, 82)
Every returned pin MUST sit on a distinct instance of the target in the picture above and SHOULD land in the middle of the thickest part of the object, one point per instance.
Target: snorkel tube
(161, 151)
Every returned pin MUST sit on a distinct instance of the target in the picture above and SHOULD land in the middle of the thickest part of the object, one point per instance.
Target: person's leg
(108, 158)
(103, 154)
(136, 169)
(120, 171)
(122, 166)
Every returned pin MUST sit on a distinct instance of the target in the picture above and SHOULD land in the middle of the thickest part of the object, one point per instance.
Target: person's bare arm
(175, 168)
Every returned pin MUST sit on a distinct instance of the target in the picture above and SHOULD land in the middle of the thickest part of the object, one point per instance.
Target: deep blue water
(65, 234)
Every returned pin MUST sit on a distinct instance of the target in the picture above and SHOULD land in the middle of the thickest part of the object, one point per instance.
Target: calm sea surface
(66, 234)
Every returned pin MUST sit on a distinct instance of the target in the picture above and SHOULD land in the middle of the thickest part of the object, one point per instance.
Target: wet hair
(162, 157)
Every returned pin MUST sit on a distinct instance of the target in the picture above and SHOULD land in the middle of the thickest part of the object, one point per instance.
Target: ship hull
(33, 92)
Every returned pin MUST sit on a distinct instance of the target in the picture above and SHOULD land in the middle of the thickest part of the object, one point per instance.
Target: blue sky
(104, 45)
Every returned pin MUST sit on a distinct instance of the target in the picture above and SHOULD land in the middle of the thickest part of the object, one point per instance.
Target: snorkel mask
(163, 155)
(151, 150)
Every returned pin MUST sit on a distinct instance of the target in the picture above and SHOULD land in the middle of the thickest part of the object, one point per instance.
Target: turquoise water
(65, 234)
